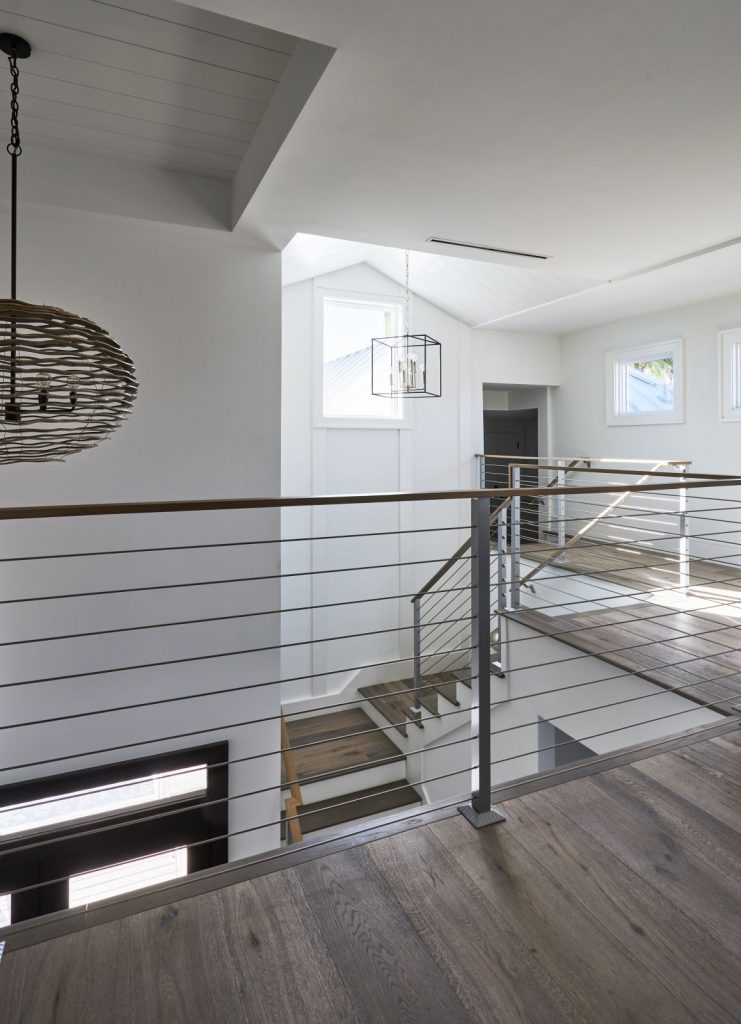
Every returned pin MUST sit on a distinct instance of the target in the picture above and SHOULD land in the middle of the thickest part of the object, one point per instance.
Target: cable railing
(205, 677)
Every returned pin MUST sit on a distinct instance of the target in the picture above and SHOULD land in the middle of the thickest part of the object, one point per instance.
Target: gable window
(645, 385)
(348, 325)
(730, 374)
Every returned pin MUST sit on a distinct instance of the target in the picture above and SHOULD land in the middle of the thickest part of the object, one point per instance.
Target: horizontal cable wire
(205, 657)
(304, 781)
(213, 583)
(353, 800)
(182, 697)
(213, 618)
(411, 721)
(207, 693)
(209, 729)
(170, 811)
(229, 544)
(227, 835)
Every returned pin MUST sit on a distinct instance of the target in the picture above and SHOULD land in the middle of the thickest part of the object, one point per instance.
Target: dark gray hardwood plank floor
(608, 898)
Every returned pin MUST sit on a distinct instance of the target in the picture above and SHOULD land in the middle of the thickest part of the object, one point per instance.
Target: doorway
(513, 433)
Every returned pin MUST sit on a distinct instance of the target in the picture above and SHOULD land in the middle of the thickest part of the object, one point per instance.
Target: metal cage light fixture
(65, 385)
(406, 365)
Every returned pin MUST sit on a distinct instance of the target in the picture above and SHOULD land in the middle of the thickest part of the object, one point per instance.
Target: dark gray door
(513, 434)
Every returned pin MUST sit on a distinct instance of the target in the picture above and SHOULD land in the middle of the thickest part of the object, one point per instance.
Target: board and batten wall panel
(200, 316)
(433, 452)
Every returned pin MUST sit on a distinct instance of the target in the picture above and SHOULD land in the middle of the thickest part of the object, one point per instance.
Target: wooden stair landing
(694, 650)
(338, 751)
(365, 803)
(396, 707)
(643, 568)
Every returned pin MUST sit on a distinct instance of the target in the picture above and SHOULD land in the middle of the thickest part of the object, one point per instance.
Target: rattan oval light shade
(64, 383)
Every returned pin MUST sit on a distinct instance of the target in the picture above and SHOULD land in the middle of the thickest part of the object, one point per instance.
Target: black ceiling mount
(15, 46)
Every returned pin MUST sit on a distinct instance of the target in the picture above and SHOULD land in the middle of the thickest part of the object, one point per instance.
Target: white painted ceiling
(153, 81)
(474, 292)
(601, 133)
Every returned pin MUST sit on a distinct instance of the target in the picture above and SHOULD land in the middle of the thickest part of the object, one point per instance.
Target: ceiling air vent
(487, 248)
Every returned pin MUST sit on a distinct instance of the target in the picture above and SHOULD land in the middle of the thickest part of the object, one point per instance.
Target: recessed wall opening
(516, 428)
(556, 748)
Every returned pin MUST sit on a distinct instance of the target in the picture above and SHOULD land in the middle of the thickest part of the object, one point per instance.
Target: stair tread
(365, 803)
(338, 751)
(396, 706)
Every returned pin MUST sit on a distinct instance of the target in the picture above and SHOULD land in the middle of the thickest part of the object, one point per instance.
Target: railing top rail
(627, 472)
(588, 458)
(380, 497)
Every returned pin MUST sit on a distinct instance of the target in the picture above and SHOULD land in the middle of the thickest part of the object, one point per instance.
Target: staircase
(347, 770)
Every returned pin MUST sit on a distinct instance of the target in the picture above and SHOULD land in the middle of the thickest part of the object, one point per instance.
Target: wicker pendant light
(64, 383)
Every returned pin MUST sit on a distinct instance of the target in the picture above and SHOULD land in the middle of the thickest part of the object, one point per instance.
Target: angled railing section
(604, 512)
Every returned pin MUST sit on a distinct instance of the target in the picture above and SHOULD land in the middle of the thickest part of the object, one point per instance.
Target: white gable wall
(435, 452)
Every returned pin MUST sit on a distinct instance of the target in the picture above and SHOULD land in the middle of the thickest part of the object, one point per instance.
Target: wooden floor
(611, 898)
(698, 650)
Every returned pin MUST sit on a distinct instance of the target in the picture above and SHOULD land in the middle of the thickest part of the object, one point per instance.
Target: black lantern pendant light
(408, 365)
(64, 383)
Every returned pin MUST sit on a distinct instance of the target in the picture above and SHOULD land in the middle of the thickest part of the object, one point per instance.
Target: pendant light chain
(406, 292)
(14, 146)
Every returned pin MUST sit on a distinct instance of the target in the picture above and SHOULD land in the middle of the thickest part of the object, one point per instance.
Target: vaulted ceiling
(477, 293)
(599, 135)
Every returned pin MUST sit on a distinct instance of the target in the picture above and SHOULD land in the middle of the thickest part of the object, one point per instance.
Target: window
(37, 814)
(69, 840)
(4, 910)
(348, 326)
(730, 374)
(645, 385)
(129, 875)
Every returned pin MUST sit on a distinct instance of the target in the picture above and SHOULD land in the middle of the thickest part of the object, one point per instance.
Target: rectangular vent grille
(487, 248)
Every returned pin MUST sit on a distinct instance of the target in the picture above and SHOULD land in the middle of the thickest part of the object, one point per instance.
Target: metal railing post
(501, 536)
(684, 536)
(482, 471)
(561, 506)
(514, 552)
(480, 811)
(417, 707)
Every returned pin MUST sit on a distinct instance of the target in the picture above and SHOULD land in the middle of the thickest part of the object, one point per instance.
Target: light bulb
(43, 382)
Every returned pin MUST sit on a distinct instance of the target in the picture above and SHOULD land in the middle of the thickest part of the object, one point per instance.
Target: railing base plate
(481, 820)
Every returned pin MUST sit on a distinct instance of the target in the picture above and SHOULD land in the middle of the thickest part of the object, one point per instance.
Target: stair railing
(503, 520)
(294, 802)
(563, 545)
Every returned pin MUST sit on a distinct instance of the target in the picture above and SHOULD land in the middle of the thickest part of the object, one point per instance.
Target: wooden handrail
(696, 480)
(588, 458)
(294, 801)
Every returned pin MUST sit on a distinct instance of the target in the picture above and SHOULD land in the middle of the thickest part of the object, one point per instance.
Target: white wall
(713, 446)
(433, 452)
(579, 405)
(200, 316)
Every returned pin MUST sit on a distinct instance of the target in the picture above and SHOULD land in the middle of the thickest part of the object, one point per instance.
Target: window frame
(193, 819)
(404, 422)
(728, 412)
(654, 350)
